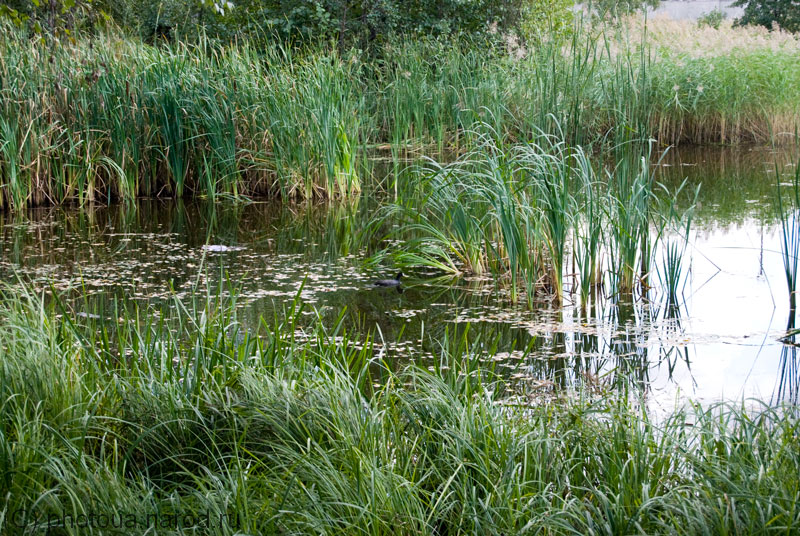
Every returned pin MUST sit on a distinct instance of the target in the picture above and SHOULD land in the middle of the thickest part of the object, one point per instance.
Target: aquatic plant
(789, 216)
(514, 212)
(671, 271)
(630, 208)
(588, 235)
(548, 161)
(474, 215)
(84, 122)
(189, 415)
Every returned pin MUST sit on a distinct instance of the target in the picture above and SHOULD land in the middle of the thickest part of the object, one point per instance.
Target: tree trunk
(52, 16)
(342, 25)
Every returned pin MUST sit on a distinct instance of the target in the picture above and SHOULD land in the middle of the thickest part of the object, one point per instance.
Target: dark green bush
(53, 16)
(713, 19)
(346, 21)
(365, 21)
(784, 13)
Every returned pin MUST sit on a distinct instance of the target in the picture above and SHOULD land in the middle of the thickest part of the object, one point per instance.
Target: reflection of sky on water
(733, 314)
(720, 345)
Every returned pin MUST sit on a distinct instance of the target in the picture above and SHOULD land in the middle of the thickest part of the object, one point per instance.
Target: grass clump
(521, 213)
(189, 415)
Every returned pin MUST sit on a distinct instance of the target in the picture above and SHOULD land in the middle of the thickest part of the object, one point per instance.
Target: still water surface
(721, 344)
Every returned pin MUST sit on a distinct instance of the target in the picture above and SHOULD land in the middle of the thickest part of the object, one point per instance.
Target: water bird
(389, 282)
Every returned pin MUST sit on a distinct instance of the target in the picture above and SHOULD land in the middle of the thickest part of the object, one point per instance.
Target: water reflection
(787, 386)
(711, 339)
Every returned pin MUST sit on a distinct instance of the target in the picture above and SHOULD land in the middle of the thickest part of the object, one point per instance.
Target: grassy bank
(123, 416)
(112, 118)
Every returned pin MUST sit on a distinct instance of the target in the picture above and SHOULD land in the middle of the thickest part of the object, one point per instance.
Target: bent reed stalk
(84, 121)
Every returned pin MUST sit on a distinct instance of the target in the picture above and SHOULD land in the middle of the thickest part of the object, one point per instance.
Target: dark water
(720, 344)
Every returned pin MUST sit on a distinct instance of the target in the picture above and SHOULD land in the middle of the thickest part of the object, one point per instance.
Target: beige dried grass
(687, 38)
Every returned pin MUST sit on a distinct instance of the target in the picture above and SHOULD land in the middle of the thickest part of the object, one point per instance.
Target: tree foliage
(784, 13)
(52, 16)
(66, 16)
(552, 18)
(358, 20)
(343, 20)
(712, 19)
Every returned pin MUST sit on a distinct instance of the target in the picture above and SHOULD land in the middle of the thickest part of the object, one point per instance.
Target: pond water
(720, 344)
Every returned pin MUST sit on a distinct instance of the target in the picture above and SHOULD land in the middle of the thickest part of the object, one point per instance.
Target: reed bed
(702, 41)
(187, 421)
(720, 85)
(90, 123)
(104, 118)
(529, 215)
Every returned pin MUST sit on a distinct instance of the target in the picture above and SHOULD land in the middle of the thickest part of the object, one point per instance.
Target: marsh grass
(588, 234)
(630, 212)
(188, 411)
(787, 387)
(476, 215)
(674, 243)
(518, 213)
(84, 122)
(790, 243)
(787, 213)
(127, 120)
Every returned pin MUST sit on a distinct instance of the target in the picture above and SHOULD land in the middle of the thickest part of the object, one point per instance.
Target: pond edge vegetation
(90, 123)
(185, 413)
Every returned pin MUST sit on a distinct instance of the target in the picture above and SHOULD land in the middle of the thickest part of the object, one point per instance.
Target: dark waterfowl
(389, 282)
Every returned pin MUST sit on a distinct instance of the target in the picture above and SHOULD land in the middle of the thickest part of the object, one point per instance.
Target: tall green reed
(551, 166)
(672, 270)
(203, 119)
(630, 204)
(475, 215)
(790, 234)
(588, 235)
(517, 212)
